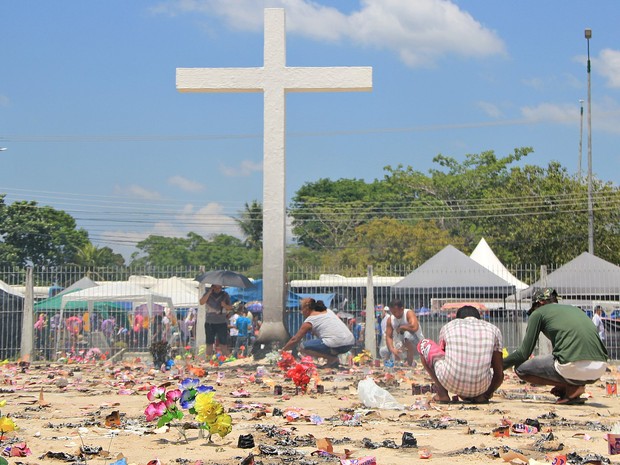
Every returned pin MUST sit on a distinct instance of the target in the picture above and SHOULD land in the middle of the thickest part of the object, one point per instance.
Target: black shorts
(219, 330)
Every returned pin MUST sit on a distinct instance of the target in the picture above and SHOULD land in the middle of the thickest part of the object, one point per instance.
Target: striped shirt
(469, 344)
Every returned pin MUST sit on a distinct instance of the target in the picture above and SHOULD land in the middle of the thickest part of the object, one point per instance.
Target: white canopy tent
(484, 255)
(7, 289)
(115, 292)
(182, 294)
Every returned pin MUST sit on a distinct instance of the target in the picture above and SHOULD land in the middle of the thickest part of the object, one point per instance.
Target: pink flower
(155, 393)
(155, 410)
(172, 397)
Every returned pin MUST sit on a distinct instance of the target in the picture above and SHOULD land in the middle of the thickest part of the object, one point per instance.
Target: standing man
(233, 332)
(598, 322)
(402, 331)
(467, 361)
(244, 327)
(578, 358)
(217, 302)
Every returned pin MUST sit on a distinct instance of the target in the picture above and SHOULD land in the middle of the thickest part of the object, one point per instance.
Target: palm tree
(251, 224)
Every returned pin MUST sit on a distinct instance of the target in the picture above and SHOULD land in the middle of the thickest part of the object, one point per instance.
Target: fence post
(28, 317)
(370, 338)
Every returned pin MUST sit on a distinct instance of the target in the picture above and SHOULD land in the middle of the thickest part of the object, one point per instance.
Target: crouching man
(467, 361)
(578, 357)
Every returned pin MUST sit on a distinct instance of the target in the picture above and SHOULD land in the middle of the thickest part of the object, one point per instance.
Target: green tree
(163, 251)
(251, 224)
(219, 252)
(92, 256)
(529, 214)
(455, 194)
(326, 212)
(41, 236)
(386, 242)
(540, 216)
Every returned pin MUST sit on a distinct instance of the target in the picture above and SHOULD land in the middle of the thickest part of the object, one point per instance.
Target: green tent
(53, 304)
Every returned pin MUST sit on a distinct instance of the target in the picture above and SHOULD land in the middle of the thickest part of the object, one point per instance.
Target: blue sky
(93, 124)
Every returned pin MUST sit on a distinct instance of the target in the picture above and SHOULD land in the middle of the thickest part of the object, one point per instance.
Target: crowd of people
(466, 362)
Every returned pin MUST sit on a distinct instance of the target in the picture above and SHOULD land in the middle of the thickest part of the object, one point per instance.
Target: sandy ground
(60, 408)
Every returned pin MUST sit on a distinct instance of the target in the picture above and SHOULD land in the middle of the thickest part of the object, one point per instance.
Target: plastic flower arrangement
(218, 359)
(363, 357)
(7, 425)
(163, 407)
(197, 399)
(300, 372)
(211, 416)
(286, 361)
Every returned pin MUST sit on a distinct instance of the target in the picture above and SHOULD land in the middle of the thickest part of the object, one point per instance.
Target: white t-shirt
(398, 322)
(600, 327)
(330, 329)
(232, 321)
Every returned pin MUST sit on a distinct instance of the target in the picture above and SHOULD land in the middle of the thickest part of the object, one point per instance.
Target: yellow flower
(222, 425)
(2, 403)
(207, 410)
(7, 425)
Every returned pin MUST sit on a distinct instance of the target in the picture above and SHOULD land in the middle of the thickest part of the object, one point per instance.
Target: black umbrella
(225, 278)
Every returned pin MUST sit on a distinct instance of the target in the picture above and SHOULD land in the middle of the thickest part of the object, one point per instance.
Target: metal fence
(106, 328)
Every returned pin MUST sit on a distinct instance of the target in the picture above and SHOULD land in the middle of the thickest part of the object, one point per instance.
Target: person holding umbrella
(217, 302)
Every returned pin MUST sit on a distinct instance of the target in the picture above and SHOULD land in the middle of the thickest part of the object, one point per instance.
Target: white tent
(483, 255)
(115, 292)
(182, 294)
(6, 288)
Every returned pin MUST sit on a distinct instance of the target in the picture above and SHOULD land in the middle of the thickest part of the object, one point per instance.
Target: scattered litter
(374, 396)
(408, 440)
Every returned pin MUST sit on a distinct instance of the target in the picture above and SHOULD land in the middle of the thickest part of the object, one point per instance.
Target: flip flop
(440, 401)
(574, 401)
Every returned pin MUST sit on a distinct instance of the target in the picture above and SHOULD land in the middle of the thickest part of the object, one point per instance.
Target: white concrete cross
(274, 79)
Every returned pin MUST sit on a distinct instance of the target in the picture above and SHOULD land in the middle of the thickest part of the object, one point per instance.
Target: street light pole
(580, 140)
(588, 35)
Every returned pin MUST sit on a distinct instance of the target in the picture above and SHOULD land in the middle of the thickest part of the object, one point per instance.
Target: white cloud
(137, 191)
(605, 114)
(185, 184)
(490, 109)
(207, 221)
(245, 169)
(418, 32)
(608, 64)
(550, 112)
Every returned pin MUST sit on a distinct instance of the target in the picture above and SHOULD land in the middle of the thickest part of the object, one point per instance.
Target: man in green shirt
(578, 358)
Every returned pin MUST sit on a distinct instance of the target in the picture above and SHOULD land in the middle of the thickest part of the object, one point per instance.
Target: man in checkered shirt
(467, 361)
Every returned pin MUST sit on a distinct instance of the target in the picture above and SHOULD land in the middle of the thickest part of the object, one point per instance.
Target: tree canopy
(528, 214)
(35, 235)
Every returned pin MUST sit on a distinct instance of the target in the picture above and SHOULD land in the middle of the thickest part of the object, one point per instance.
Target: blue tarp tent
(256, 293)
(326, 298)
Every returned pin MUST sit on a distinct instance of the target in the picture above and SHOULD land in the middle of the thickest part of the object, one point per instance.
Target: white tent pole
(149, 305)
(370, 337)
(60, 325)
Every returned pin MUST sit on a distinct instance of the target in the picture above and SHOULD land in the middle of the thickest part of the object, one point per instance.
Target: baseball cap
(541, 295)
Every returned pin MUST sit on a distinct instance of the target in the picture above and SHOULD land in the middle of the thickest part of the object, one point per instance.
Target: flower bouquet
(300, 372)
(196, 399)
(363, 358)
(7, 425)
